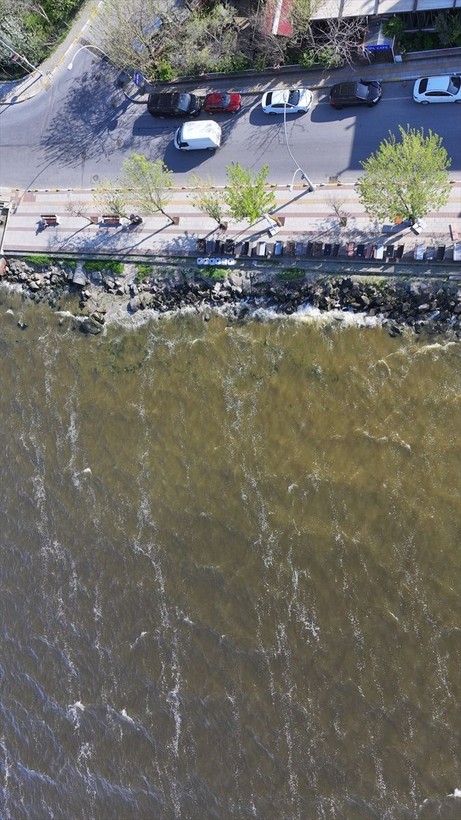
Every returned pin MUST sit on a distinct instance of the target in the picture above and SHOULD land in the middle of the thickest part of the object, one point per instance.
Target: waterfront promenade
(306, 217)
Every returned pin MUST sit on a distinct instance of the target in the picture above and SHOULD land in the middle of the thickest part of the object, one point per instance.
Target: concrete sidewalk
(305, 217)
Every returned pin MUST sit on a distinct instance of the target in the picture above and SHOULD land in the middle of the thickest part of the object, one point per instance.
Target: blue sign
(138, 78)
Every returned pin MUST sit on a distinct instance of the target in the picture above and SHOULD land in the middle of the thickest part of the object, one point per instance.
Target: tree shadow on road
(89, 124)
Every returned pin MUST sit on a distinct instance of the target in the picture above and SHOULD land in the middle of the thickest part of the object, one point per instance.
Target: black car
(359, 92)
(174, 104)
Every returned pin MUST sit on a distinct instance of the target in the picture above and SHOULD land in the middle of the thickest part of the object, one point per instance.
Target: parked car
(443, 89)
(291, 100)
(174, 104)
(222, 102)
(198, 136)
(359, 92)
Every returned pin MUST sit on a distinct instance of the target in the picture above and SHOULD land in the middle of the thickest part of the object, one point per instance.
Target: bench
(317, 248)
(418, 252)
(110, 221)
(49, 219)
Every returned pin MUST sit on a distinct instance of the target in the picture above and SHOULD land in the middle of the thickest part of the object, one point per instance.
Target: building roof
(361, 8)
(278, 17)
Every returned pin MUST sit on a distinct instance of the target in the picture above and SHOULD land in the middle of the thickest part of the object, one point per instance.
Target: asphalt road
(80, 130)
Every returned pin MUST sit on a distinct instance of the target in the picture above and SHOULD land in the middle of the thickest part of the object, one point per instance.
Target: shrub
(103, 266)
(291, 274)
(217, 274)
(394, 27)
(143, 271)
(39, 259)
(308, 58)
(326, 56)
(165, 70)
(67, 263)
(448, 28)
(329, 58)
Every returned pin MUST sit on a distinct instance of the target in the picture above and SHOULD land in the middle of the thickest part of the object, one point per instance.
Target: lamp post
(90, 46)
(303, 176)
(310, 184)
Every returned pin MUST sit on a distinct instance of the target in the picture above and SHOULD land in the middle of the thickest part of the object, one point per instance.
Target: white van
(198, 135)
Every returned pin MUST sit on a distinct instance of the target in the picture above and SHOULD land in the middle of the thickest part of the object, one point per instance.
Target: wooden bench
(110, 221)
(49, 219)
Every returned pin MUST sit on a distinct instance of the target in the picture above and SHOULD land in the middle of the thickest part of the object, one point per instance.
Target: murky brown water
(229, 571)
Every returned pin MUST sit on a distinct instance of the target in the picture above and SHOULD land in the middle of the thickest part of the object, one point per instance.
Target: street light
(310, 184)
(71, 64)
(303, 176)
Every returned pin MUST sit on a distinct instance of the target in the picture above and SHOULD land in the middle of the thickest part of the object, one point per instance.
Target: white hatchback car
(291, 100)
(443, 89)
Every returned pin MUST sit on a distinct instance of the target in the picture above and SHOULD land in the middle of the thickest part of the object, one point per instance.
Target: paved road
(80, 130)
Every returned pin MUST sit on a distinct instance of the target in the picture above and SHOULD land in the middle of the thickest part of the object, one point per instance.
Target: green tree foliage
(246, 195)
(32, 28)
(145, 185)
(406, 178)
(163, 40)
(448, 28)
(206, 198)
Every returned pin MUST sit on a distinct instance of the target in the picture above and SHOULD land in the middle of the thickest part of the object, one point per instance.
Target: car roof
(278, 95)
(438, 83)
(216, 96)
(199, 129)
(345, 89)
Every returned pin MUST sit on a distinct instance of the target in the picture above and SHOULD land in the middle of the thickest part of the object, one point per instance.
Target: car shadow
(258, 117)
(184, 161)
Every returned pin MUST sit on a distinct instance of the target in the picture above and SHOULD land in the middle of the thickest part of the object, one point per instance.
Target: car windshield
(454, 85)
(293, 98)
(361, 91)
(183, 102)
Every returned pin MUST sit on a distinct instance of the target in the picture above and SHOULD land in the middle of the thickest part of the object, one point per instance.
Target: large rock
(79, 277)
(90, 326)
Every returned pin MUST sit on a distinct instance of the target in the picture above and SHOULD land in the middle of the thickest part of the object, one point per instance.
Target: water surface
(229, 572)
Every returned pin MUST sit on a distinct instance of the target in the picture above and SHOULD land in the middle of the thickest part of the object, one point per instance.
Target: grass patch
(291, 274)
(67, 263)
(216, 274)
(143, 271)
(104, 266)
(39, 259)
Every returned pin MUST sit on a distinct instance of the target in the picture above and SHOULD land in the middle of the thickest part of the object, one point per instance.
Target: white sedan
(443, 89)
(289, 100)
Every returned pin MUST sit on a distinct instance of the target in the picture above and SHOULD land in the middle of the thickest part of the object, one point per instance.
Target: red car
(222, 102)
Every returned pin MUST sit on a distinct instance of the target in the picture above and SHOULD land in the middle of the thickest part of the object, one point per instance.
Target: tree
(332, 42)
(206, 198)
(145, 184)
(160, 39)
(448, 28)
(245, 195)
(405, 179)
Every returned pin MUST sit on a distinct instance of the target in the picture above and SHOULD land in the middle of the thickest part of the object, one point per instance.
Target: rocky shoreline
(430, 304)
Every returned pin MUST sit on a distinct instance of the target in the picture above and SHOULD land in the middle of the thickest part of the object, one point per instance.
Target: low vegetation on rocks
(430, 305)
